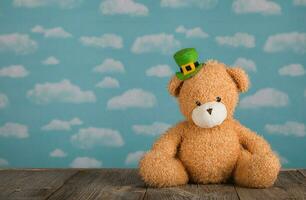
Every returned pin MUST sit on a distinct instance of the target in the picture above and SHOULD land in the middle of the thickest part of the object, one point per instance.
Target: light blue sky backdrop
(83, 83)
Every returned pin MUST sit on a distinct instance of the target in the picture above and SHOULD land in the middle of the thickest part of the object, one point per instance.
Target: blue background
(77, 62)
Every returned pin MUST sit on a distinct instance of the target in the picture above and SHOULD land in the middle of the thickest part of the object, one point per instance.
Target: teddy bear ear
(240, 77)
(175, 86)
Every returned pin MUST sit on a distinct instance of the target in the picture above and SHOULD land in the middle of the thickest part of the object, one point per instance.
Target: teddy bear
(210, 145)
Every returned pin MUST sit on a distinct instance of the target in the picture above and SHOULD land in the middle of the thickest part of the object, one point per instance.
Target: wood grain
(217, 191)
(176, 193)
(289, 185)
(31, 184)
(115, 184)
(302, 171)
(102, 184)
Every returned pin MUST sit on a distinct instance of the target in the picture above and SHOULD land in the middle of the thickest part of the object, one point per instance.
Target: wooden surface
(55, 184)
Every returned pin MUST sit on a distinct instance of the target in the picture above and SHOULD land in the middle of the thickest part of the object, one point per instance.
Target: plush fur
(187, 152)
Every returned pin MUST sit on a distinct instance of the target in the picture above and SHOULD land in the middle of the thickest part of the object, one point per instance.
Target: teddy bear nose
(209, 110)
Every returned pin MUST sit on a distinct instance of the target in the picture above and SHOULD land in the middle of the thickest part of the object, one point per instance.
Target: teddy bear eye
(218, 99)
(198, 103)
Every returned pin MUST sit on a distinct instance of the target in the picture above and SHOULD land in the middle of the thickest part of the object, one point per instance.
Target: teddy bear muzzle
(209, 114)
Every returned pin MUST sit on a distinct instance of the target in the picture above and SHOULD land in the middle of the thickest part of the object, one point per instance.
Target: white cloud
(64, 4)
(159, 71)
(14, 130)
(51, 61)
(14, 71)
(3, 162)
(17, 43)
(4, 101)
(289, 128)
(134, 157)
(196, 32)
(299, 2)
(237, 40)
(203, 4)
(60, 125)
(267, 97)
(292, 70)
(104, 41)
(89, 137)
(293, 41)
(57, 32)
(246, 64)
(154, 129)
(282, 159)
(63, 91)
(109, 65)
(108, 82)
(163, 43)
(264, 7)
(123, 7)
(133, 98)
(58, 153)
(85, 162)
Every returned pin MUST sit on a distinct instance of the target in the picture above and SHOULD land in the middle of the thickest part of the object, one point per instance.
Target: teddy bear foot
(159, 171)
(256, 171)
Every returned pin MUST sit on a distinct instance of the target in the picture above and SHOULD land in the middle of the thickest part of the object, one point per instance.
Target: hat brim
(183, 77)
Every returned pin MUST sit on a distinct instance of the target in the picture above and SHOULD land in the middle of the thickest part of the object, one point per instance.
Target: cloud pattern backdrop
(83, 83)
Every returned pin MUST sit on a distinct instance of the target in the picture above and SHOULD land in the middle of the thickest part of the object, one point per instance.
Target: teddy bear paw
(158, 170)
(258, 171)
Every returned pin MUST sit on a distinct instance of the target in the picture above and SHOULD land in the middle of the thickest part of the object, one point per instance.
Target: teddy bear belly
(209, 159)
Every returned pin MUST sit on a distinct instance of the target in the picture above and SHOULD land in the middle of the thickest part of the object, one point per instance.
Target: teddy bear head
(210, 97)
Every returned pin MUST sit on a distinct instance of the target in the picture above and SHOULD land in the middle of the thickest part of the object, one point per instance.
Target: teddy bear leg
(161, 171)
(256, 171)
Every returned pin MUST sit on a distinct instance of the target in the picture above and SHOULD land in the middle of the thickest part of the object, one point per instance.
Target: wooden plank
(128, 186)
(31, 184)
(102, 184)
(217, 191)
(298, 187)
(302, 171)
(289, 185)
(189, 191)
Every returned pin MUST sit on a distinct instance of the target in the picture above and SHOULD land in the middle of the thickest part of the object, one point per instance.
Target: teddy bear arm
(257, 165)
(169, 141)
(160, 167)
(250, 141)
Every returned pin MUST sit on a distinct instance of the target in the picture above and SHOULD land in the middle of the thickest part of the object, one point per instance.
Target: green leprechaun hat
(187, 60)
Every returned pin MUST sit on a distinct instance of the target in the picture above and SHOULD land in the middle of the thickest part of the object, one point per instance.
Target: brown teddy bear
(210, 146)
